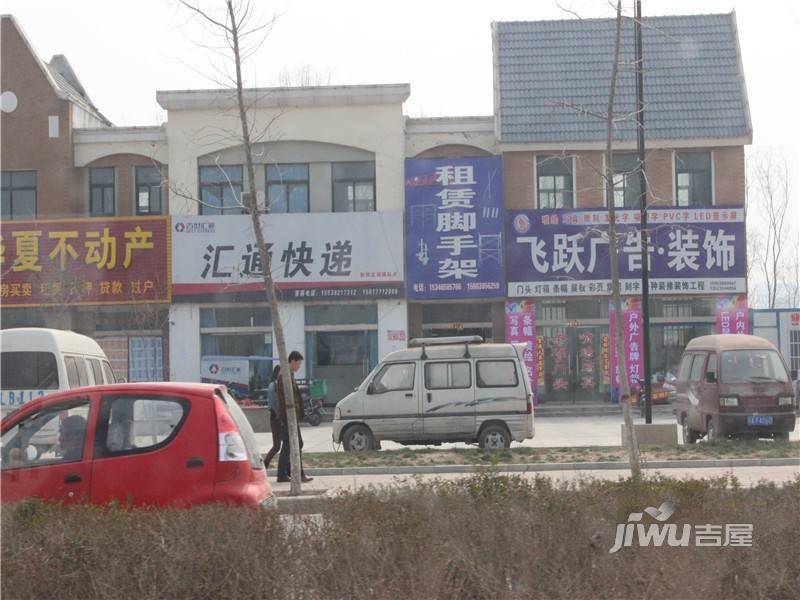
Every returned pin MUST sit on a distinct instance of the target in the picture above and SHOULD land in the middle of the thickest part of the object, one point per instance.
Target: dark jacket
(298, 399)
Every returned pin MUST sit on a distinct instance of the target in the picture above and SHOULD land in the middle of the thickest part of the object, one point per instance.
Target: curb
(571, 466)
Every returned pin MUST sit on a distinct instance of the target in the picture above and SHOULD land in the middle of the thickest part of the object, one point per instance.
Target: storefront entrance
(575, 368)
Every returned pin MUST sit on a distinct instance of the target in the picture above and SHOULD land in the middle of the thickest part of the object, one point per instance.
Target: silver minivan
(450, 389)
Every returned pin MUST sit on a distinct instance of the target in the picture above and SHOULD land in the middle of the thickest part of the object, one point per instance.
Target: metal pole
(648, 386)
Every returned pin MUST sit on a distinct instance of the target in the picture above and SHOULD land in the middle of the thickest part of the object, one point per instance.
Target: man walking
(284, 468)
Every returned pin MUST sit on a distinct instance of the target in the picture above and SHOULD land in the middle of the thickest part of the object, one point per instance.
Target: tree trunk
(266, 261)
(622, 365)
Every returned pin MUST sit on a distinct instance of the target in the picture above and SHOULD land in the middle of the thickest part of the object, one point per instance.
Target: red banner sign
(85, 261)
(732, 314)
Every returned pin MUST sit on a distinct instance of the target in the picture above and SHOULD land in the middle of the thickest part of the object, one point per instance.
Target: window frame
(149, 187)
(479, 382)
(541, 159)
(100, 449)
(447, 362)
(103, 187)
(386, 366)
(354, 181)
(693, 173)
(625, 175)
(287, 184)
(703, 356)
(220, 186)
(11, 188)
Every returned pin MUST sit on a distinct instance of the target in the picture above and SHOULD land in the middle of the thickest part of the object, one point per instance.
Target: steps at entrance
(600, 409)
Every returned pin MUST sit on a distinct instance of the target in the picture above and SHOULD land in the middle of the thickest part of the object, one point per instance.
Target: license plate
(759, 420)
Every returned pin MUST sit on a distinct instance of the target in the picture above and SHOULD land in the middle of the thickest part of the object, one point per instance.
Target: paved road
(550, 432)
(747, 476)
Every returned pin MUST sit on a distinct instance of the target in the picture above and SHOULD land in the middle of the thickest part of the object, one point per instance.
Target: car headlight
(337, 414)
(728, 401)
(785, 400)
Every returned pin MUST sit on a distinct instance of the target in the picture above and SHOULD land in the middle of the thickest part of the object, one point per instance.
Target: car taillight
(231, 445)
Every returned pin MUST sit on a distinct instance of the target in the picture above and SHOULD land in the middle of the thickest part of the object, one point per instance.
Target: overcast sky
(123, 51)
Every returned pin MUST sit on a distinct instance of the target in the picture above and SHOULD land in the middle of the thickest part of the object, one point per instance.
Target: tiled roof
(693, 82)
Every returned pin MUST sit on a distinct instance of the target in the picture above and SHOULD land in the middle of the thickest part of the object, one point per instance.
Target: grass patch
(485, 536)
(520, 455)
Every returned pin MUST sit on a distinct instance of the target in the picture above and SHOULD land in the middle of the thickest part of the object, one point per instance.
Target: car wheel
(494, 437)
(358, 438)
(689, 434)
(781, 436)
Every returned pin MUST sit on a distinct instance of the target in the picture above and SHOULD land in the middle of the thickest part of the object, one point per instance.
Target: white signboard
(314, 256)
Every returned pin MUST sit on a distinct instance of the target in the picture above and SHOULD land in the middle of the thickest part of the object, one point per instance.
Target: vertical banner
(521, 328)
(605, 358)
(632, 340)
(454, 228)
(732, 314)
(540, 360)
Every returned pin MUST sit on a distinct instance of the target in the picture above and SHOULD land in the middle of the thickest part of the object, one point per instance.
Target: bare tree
(241, 37)
(303, 76)
(773, 245)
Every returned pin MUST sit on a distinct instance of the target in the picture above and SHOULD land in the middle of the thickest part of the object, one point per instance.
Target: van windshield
(28, 371)
(752, 366)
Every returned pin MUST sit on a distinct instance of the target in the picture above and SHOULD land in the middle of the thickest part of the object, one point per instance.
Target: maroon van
(734, 386)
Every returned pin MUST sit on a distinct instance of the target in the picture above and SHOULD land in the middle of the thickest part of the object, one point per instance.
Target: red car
(143, 444)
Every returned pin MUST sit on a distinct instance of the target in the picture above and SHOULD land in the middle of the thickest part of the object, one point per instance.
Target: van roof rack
(440, 341)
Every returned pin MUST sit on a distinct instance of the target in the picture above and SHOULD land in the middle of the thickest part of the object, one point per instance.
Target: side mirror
(711, 377)
(794, 374)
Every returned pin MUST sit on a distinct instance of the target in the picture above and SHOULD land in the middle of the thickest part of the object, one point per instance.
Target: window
(393, 378)
(686, 367)
(697, 367)
(221, 190)
(794, 350)
(342, 314)
(53, 435)
(448, 375)
(19, 195)
(752, 366)
(148, 191)
(711, 367)
(255, 316)
(496, 373)
(552, 311)
(287, 188)
(625, 169)
(134, 424)
(336, 348)
(76, 371)
(693, 178)
(109, 374)
(101, 192)
(677, 308)
(97, 371)
(353, 186)
(29, 371)
(554, 181)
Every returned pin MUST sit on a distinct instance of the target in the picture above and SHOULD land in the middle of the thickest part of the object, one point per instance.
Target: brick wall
(116, 349)
(518, 180)
(729, 171)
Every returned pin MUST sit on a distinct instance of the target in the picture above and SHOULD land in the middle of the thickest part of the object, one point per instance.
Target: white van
(449, 389)
(38, 361)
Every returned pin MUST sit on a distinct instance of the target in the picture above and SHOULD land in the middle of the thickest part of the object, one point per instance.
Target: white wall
(375, 128)
(293, 320)
(392, 316)
(184, 342)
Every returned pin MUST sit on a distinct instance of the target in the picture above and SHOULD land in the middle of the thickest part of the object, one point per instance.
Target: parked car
(734, 386)
(450, 389)
(155, 444)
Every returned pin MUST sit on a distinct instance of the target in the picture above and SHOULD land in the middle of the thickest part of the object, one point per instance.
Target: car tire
(358, 438)
(494, 437)
(689, 434)
(781, 436)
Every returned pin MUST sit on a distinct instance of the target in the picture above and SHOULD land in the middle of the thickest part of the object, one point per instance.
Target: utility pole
(648, 386)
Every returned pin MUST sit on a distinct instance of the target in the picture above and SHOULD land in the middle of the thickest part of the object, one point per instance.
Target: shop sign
(85, 261)
(566, 253)
(233, 371)
(454, 228)
(315, 256)
(732, 314)
(632, 343)
(794, 320)
(521, 328)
